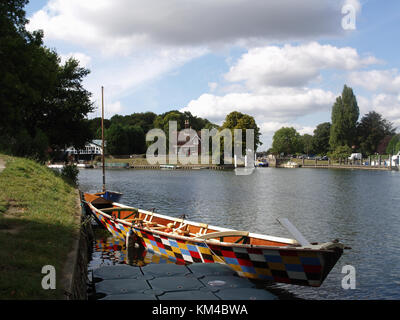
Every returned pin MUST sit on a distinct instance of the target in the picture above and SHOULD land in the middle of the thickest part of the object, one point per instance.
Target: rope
(214, 252)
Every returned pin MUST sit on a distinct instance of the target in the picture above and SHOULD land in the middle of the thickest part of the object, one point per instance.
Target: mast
(102, 138)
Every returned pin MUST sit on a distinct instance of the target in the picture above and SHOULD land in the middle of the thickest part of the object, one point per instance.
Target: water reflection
(112, 251)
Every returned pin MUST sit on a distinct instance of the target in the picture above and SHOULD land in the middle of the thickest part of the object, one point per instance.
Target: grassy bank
(37, 228)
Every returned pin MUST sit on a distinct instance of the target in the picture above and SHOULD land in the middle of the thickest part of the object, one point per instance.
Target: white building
(92, 148)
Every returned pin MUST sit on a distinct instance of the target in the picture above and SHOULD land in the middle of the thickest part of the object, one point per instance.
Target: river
(360, 208)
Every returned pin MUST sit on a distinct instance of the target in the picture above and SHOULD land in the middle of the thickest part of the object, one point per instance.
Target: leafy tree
(117, 140)
(43, 103)
(345, 114)
(237, 120)
(392, 146)
(287, 141)
(371, 130)
(307, 142)
(341, 152)
(321, 138)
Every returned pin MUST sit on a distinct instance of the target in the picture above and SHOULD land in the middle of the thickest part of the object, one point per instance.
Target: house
(191, 146)
(91, 150)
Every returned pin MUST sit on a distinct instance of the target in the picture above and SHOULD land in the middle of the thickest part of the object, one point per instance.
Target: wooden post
(102, 138)
(390, 161)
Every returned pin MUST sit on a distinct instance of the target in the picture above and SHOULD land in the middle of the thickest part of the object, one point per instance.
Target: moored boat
(291, 164)
(251, 255)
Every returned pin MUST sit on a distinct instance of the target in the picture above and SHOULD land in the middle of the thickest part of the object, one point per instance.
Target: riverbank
(39, 226)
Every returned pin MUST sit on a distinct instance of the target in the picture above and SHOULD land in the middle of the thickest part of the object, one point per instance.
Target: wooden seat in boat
(223, 235)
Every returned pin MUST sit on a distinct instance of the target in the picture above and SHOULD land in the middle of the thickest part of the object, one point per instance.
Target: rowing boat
(251, 255)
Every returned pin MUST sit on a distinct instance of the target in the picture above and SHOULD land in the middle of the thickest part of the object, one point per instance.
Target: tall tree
(43, 103)
(371, 130)
(345, 114)
(321, 138)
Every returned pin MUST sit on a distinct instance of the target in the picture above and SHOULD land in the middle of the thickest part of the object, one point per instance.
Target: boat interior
(152, 221)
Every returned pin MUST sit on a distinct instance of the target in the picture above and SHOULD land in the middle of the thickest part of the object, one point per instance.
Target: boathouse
(91, 150)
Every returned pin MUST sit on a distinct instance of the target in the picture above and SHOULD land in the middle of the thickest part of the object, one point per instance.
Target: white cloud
(84, 60)
(293, 65)
(388, 105)
(122, 26)
(271, 111)
(284, 105)
(271, 84)
(383, 80)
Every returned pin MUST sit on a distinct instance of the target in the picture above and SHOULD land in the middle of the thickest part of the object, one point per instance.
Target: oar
(295, 233)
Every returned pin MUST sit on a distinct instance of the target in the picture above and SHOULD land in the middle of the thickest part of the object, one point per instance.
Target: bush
(341, 152)
(70, 174)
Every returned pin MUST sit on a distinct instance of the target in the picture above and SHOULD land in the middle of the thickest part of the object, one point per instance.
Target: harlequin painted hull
(260, 257)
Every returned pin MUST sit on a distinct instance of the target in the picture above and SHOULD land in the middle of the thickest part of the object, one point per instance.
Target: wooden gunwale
(290, 243)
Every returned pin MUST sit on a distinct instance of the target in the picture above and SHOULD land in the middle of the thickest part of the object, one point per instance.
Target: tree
(382, 146)
(43, 103)
(371, 130)
(307, 142)
(345, 114)
(341, 152)
(287, 141)
(238, 120)
(321, 138)
(392, 146)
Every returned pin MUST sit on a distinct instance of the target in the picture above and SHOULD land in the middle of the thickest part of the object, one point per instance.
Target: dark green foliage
(43, 103)
(125, 140)
(371, 130)
(287, 141)
(345, 114)
(126, 135)
(238, 120)
(392, 146)
(307, 143)
(321, 138)
(341, 152)
(70, 174)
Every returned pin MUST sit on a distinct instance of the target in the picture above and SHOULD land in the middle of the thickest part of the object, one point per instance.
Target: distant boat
(291, 164)
(261, 164)
(251, 255)
(84, 166)
(169, 167)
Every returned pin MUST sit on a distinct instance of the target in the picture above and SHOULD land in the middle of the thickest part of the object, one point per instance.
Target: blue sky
(283, 64)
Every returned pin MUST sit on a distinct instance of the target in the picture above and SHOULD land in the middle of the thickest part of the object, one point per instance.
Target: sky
(283, 62)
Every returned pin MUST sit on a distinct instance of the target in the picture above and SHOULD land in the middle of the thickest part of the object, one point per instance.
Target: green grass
(37, 227)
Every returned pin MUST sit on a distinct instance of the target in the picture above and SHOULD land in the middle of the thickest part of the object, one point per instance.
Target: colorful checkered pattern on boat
(299, 267)
(179, 250)
(293, 266)
(116, 228)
